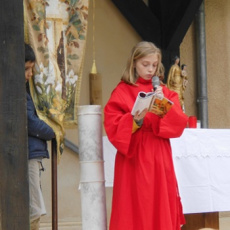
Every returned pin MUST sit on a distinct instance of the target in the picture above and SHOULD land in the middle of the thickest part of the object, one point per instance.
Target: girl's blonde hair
(141, 50)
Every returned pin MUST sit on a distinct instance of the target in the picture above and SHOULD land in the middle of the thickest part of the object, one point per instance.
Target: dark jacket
(38, 132)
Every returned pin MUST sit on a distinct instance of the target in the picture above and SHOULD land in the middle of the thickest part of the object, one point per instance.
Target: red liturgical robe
(145, 193)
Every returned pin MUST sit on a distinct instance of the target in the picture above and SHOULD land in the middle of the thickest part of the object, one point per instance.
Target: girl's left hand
(140, 116)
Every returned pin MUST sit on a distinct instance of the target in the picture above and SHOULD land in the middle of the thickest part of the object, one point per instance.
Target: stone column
(92, 182)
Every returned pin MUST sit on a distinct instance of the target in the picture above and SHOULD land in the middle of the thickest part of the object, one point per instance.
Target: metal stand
(54, 186)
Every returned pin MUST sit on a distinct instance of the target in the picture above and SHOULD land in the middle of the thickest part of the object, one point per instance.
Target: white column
(92, 182)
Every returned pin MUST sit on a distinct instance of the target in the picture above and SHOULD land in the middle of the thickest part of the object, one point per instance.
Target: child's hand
(138, 117)
(159, 92)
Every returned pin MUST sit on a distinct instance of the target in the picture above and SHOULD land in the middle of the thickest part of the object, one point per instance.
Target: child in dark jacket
(38, 135)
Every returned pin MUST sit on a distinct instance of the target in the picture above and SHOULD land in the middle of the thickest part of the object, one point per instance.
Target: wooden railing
(54, 186)
(72, 147)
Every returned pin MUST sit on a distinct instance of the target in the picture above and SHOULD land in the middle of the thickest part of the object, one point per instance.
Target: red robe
(145, 193)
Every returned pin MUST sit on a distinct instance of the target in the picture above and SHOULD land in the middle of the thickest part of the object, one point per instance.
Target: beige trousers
(34, 225)
(37, 206)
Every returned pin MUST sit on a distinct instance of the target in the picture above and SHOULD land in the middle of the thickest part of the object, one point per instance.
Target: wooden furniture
(201, 220)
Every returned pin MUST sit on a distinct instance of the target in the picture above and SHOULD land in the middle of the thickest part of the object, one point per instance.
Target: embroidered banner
(56, 30)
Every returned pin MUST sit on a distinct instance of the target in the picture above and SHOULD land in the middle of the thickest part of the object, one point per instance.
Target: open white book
(154, 104)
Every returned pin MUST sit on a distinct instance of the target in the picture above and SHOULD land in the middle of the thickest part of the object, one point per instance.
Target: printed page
(142, 102)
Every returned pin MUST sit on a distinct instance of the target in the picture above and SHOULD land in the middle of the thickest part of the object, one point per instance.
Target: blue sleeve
(37, 127)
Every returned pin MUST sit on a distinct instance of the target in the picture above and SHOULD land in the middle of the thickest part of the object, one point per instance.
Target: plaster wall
(217, 26)
(114, 39)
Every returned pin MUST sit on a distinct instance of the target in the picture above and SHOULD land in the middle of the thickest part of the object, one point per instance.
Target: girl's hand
(159, 92)
(138, 118)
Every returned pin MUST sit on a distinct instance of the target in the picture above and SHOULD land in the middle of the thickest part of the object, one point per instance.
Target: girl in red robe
(145, 193)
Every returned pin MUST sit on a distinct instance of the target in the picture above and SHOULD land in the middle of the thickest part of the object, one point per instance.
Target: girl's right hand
(159, 92)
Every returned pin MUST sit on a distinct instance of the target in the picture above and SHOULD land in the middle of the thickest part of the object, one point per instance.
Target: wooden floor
(224, 224)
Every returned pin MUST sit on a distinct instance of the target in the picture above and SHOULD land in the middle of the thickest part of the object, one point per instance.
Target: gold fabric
(56, 30)
(135, 127)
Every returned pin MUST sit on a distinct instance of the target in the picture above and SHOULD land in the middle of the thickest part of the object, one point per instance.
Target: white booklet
(142, 102)
(159, 106)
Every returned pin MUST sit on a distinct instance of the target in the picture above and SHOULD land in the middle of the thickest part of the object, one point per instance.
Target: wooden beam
(183, 19)
(163, 22)
(141, 18)
(14, 189)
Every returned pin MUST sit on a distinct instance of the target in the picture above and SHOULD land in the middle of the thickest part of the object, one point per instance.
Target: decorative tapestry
(56, 30)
